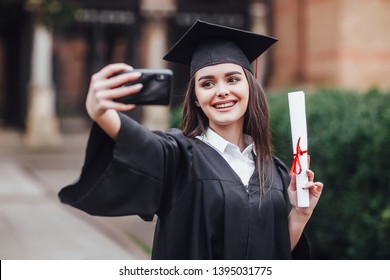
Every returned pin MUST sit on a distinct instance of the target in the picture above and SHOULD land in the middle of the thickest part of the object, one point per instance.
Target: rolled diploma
(296, 101)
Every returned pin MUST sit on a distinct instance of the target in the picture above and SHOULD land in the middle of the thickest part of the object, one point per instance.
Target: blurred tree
(53, 13)
(349, 140)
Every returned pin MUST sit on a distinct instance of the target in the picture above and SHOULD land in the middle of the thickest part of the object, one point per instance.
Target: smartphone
(156, 90)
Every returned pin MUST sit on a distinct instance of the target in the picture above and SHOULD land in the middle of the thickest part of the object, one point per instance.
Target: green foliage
(54, 14)
(59, 13)
(349, 147)
(176, 116)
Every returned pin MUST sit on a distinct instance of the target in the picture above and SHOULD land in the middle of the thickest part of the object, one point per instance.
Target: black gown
(204, 211)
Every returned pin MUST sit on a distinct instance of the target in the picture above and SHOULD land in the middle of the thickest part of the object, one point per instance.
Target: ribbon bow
(299, 152)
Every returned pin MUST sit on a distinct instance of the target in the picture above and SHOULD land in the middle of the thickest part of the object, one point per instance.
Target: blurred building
(336, 43)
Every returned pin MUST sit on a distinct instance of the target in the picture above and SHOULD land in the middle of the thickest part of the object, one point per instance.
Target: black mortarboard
(206, 44)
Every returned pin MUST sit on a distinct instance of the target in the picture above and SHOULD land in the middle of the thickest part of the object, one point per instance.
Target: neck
(232, 133)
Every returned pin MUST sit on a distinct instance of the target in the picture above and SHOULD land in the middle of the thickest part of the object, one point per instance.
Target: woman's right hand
(102, 90)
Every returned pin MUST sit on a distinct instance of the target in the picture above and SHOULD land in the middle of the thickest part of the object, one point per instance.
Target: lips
(223, 105)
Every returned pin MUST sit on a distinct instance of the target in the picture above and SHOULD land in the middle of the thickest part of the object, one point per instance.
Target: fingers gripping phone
(156, 90)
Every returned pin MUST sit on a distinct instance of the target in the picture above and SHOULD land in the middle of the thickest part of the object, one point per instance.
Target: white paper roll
(296, 101)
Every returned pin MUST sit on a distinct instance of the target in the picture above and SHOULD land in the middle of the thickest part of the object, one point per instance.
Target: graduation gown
(204, 210)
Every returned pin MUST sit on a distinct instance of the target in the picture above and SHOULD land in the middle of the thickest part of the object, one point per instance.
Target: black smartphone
(156, 90)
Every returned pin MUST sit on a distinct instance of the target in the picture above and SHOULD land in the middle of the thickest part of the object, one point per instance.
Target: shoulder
(282, 170)
(179, 137)
(280, 164)
(175, 132)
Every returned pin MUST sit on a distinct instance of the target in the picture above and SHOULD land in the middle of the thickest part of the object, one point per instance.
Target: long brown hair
(256, 124)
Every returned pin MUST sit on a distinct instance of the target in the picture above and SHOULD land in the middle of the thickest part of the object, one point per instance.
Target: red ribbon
(299, 152)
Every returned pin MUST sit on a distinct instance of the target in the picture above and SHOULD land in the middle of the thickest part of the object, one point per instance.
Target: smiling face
(222, 92)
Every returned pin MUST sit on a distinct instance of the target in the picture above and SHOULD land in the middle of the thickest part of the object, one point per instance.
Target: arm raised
(103, 89)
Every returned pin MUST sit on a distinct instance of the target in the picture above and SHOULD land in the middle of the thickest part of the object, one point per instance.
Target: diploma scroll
(296, 101)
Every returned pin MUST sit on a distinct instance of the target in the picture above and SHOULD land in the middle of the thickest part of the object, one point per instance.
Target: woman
(216, 188)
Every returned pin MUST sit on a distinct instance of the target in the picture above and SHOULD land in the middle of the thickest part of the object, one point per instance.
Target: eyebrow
(226, 75)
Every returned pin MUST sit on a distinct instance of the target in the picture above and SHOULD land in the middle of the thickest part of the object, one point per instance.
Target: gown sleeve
(122, 177)
(302, 249)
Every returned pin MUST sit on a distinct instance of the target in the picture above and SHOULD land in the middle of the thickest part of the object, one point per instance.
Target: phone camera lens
(161, 77)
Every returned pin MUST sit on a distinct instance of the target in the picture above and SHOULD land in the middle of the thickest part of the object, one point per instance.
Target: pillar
(258, 14)
(42, 127)
(156, 14)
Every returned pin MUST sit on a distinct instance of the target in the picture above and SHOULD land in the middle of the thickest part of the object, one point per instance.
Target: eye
(207, 84)
(233, 79)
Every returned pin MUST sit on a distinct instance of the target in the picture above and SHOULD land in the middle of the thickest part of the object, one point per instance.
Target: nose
(222, 91)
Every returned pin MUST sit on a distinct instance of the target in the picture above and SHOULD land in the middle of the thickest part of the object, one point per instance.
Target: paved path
(35, 225)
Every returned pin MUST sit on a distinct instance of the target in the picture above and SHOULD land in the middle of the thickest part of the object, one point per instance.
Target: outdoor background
(336, 51)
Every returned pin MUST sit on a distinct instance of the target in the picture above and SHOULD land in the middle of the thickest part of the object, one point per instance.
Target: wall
(340, 43)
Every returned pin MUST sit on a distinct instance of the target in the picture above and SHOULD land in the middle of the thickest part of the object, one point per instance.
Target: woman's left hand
(315, 190)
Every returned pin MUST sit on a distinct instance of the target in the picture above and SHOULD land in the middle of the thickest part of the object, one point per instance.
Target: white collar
(220, 144)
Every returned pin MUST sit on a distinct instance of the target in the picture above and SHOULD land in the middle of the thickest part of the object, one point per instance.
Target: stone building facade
(332, 43)
(322, 43)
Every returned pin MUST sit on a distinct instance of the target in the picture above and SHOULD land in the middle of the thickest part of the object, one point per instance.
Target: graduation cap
(206, 44)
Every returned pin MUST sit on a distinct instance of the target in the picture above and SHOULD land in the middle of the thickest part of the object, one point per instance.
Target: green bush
(176, 116)
(349, 146)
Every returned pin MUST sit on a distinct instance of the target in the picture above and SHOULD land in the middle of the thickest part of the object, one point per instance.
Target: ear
(197, 103)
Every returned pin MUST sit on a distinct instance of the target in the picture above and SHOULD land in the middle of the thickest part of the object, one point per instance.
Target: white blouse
(242, 163)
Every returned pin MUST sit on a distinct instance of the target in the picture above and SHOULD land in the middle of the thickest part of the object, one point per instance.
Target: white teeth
(225, 105)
